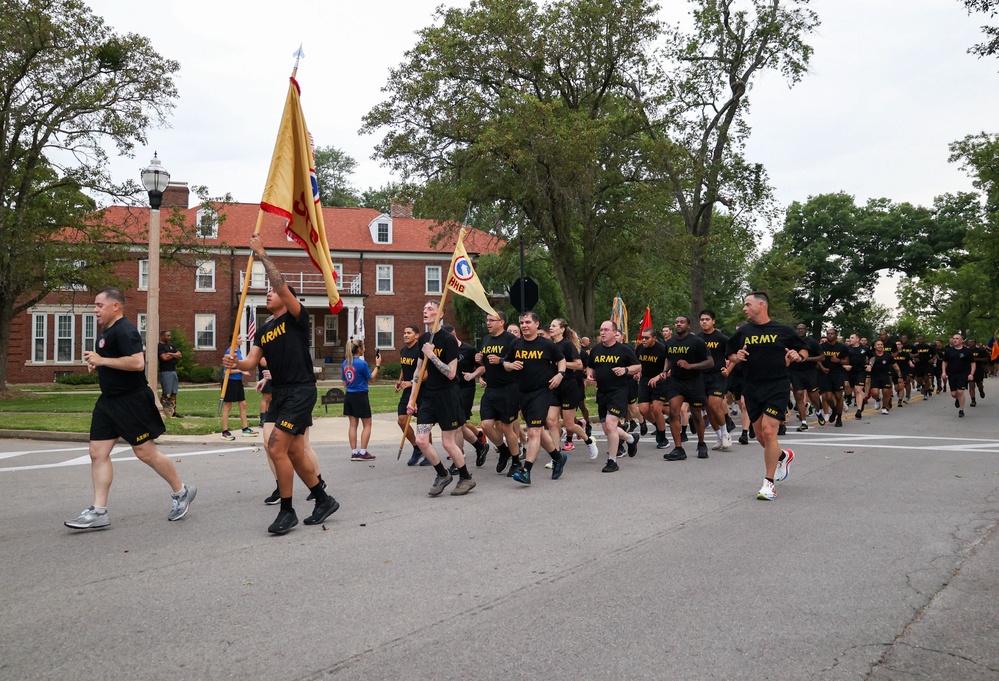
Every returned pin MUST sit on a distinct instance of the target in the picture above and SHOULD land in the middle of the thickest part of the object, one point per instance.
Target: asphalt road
(877, 560)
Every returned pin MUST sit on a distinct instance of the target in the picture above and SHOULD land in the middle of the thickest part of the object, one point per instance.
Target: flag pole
(423, 360)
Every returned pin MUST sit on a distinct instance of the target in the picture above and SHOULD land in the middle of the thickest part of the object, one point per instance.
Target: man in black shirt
(501, 398)
(652, 386)
(715, 383)
(466, 396)
(284, 343)
(409, 355)
(439, 403)
(610, 366)
(540, 367)
(687, 357)
(767, 348)
(125, 409)
(832, 375)
(981, 356)
(958, 369)
(169, 355)
(922, 359)
(804, 379)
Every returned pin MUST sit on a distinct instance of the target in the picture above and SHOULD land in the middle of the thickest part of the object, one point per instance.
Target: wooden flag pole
(239, 312)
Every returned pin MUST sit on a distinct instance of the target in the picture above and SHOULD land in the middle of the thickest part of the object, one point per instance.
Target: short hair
(683, 316)
(447, 328)
(532, 315)
(435, 303)
(414, 327)
(649, 330)
(114, 294)
(709, 313)
(612, 323)
(760, 295)
(501, 315)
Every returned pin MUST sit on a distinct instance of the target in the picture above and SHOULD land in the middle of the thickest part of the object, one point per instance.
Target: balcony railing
(307, 282)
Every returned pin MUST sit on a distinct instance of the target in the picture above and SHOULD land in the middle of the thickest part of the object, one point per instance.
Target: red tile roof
(346, 230)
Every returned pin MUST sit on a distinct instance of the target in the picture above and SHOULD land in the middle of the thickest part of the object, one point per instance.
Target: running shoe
(767, 492)
(90, 519)
(787, 456)
(860, 414)
(973, 403)
(663, 444)
(311, 494)
(523, 476)
(620, 449)
(362, 456)
(957, 403)
(322, 511)
(729, 423)
(481, 450)
(180, 503)
(226, 435)
(568, 446)
(683, 436)
(550, 465)
(633, 446)
(274, 498)
(514, 467)
(752, 432)
(981, 393)
(644, 429)
(610, 467)
(885, 412)
(726, 442)
(415, 457)
(960, 414)
(463, 487)
(284, 522)
(425, 462)
(839, 421)
(676, 455)
(504, 459)
(559, 466)
(249, 432)
(453, 470)
(592, 447)
(439, 484)
(744, 438)
(782, 429)
(702, 450)
(803, 427)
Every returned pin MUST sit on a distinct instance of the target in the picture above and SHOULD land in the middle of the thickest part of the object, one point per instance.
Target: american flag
(251, 325)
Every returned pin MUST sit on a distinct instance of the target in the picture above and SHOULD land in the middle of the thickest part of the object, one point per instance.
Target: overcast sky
(890, 85)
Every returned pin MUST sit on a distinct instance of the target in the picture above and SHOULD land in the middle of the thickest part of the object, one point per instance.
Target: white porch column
(350, 322)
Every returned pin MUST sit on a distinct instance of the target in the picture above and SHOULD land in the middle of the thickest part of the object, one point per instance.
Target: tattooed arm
(278, 283)
(450, 369)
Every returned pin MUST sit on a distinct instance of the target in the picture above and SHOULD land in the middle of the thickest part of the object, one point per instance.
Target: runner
(938, 379)
(957, 369)
(714, 381)
(858, 376)
(651, 388)
(466, 398)
(805, 380)
(569, 393)
(611, 365)
(688, 358)
(832, 376)
(981, 357)
(879, 367)
(500, 401)
(409, 355)
(922, 360)
(766, 347)
(903, 365)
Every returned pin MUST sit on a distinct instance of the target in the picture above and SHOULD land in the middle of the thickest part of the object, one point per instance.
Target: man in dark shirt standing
(688, 357)
(610, 366)
(540, 368)
(284, 343)
(958, 370)
(125, 409)
(767, 348)
(169, 355)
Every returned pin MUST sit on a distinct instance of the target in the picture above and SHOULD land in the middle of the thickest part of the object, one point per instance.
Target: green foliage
(186, 362)
(198, 374)
(79, 379)
(990, 47)
(390, 371)
(333, 170)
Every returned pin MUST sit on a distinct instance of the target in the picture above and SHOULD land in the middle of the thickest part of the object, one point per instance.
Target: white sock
(721, 433)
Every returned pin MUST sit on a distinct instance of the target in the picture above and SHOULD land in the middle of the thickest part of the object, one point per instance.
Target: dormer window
(381, 229)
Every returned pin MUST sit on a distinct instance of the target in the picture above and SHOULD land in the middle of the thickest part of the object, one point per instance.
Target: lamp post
(155, 179)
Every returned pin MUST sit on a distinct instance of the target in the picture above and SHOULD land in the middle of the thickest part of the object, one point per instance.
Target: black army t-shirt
(717, 343)
(540, 358)
(690, 348)
(812, 346)
(571, 354)
(653, 360)
(408, 357)
(446, 349)
(466, 365)
(496, 376)
(604, 358)
(121, 339)
(767, 345)
(922, 353)
(285, 343)
(958, 361)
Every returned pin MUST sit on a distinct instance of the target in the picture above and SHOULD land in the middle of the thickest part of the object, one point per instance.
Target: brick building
(387, 265)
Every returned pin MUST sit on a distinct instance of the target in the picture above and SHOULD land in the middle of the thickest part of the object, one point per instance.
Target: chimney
(177, 195)
(401, 207)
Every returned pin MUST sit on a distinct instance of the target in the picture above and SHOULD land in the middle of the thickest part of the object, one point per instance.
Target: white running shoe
(717, 446)
(767, 492)
(782, 466)
(594, 452)
(726, 443)
(885, 412)
(550, 465)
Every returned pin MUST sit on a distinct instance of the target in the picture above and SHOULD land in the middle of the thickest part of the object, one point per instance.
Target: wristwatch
(562, 373)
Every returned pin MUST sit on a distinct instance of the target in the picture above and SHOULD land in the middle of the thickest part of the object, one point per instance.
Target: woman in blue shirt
(355, 374)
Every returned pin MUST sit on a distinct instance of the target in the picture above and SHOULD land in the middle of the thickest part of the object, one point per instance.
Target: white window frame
(258, 275)
(198, 274)
(88, 341)
(143, 275)
(61, 318)
(338, 269)
(39, 322)
(209, 216)
(331, 323)
(379, 278)
(200, 328)
(428, 280)
(140, 326)
(378, 233)
(379, 345)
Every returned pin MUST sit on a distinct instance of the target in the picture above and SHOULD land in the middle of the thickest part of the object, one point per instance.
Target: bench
(332, 396)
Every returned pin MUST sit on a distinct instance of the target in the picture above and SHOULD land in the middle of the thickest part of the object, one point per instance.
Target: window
(204, 331)
(64, 338)
(384, 332)
(39, 337)
(208, 224)
(433, 278)
(258, 279)
(338, 268)
(384, 277)
(205, 277)
(332, 330)
(140, 324)
(89, 333)
(383, 233)
(143, 275)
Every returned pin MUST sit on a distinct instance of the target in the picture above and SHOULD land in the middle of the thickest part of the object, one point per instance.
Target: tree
(697, 105)
(518, 105)
(991, 46)
(69, 85)
(333, 170)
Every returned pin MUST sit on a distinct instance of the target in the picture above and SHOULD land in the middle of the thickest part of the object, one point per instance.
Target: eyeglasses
(488, 320)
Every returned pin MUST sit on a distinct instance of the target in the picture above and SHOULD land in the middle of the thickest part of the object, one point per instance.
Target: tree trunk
(6, 320)
(578, 294)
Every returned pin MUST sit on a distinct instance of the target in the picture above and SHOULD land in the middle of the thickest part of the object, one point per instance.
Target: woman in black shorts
(880, 367)
(356, 407)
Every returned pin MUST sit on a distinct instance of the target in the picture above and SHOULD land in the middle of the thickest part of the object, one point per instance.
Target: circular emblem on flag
(348, 374)
(100, 343)
(463, 268)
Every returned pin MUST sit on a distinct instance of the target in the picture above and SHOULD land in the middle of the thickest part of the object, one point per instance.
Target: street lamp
(155, 179)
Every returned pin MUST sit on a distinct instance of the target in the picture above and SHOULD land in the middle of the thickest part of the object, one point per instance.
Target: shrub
(390, 372)
(198, 374)
(78, 379)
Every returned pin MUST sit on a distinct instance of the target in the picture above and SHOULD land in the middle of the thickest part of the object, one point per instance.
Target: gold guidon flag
(293, 192)
(463, 280)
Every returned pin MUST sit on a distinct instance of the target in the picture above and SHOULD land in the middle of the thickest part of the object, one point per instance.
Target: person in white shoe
(569, 392)
(125, 409)
(766, 348)
(715, 382)
(958, 370)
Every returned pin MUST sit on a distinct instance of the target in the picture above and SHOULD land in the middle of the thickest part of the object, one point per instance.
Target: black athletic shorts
(958, 382)
(768, 398)
(833, 381)
(440, 407)
(614, 403)
(404, 396)
(500, 404)
(858, 378)
(692, 390)
(805, 380)
(632, 391)
(534, 406)
(921, 370)
(657, 392)
(234, 391)
(735, 385)
(569, 394)
(715, 384)
(133, 417)
(291, 407)
(266, 389)
(357, 405)
(466, 400)
(882, 382)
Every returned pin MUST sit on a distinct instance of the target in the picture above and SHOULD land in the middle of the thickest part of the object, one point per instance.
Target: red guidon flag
(646, 321)
(293, 192)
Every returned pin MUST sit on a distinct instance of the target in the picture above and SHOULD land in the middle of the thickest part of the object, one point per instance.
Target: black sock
(683, 429)
(555, 455)
(515, 459)
(770, 480)
(286, 504)
(463, 473)
(318, 491)
(589, 441)
(441, 470)
(528, 465)
(503, 449)
(321, 481)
